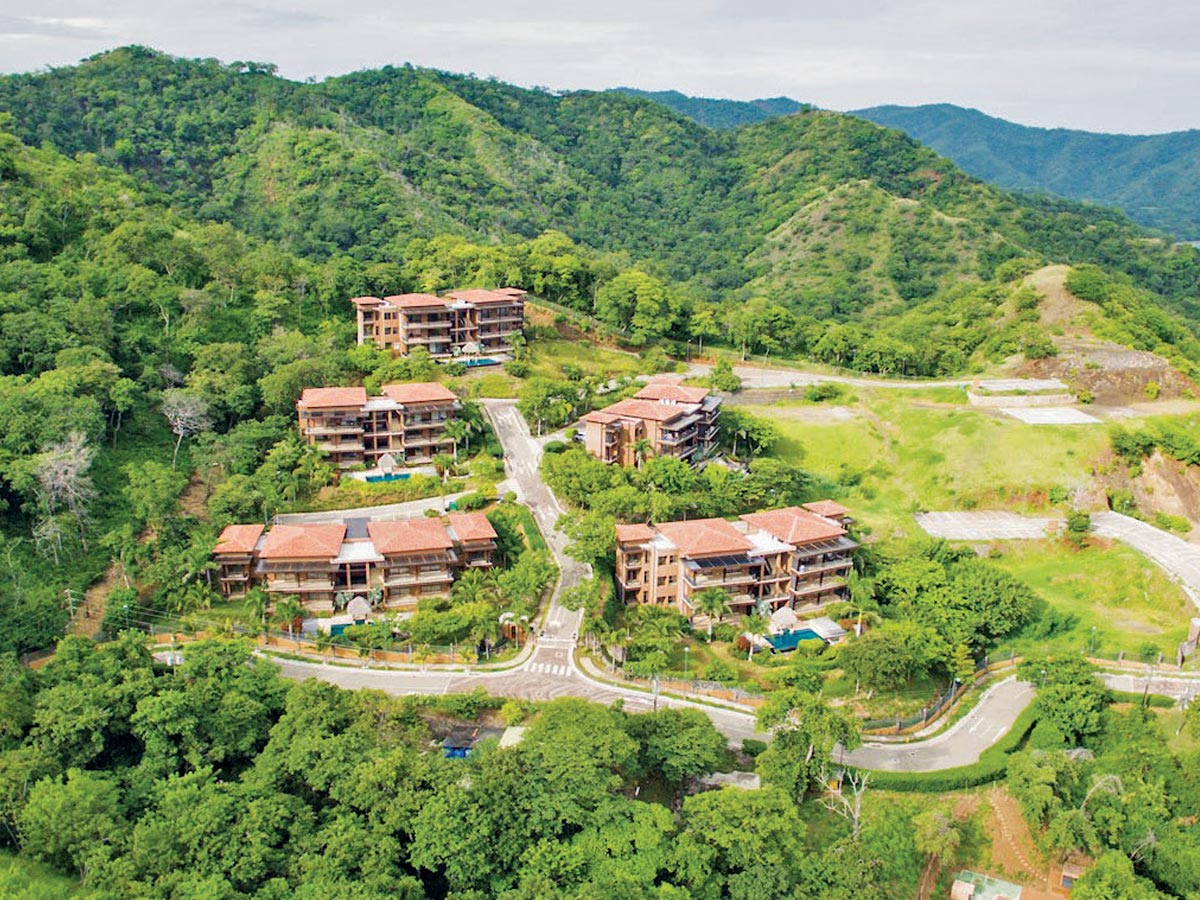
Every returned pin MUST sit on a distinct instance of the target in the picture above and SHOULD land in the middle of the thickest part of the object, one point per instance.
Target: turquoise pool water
(788, 640)
(475, 363)
(394, 476)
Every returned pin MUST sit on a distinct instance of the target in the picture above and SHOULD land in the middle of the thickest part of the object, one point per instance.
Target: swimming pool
(788, 640)
(391, 476)
(475, 363)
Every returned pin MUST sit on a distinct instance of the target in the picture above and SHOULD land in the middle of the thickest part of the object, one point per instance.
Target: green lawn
(1127, 599)
(546, 358)
(922, 450)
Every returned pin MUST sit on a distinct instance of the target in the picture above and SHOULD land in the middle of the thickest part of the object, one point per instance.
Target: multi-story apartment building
(407, 421)
(404, 559)
(786, 557)
(463, 323)
(670, 419)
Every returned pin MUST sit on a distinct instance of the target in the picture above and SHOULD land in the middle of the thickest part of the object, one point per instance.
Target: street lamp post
(687, 652)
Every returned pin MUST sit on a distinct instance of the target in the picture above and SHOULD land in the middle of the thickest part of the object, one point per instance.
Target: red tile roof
(414, 301)
(419, 392)
(477, 295)
(827, 508)
(600, 417)
(675, 393)
(365, 301)
(644, 409)
(795, 525)
(627, 533)
(705, 537)
(332, 398)
(303, 541)
(472, 526)
(515, 293)
(238, 538)
(409, 536)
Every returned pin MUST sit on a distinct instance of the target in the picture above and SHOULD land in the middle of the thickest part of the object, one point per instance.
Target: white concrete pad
(985, 526)
(1049, 415)
(1013, 385)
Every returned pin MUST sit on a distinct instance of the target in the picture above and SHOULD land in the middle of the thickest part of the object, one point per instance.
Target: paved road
(405, 510)
(550, 671)
(984, 526)
(767, 377)
(961, 743)
(1180, 559)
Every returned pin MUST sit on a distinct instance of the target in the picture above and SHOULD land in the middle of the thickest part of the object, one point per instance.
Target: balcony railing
(704, 581)
(809, 589)
(398, 579)
(803, 570)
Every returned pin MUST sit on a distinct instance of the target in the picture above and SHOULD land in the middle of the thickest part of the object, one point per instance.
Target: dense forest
(1150, 176)
(216, 778)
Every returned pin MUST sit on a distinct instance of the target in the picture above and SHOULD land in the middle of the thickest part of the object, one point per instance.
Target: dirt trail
(90, 613)
(1012, 847)
(194, 499)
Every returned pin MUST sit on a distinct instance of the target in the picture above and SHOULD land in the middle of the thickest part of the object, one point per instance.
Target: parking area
(985, 526)
(1049, 415)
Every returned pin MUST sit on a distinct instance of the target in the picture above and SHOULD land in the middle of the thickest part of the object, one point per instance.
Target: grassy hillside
(1154, 178)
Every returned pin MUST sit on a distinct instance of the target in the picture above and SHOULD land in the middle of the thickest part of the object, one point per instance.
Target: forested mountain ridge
(1154, 178)
(770, 231)
(716, 113)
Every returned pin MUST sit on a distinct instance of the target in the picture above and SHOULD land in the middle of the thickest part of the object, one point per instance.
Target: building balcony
(341, 446)
(401, 580)
(809, 589)
(296, 586)
(706, 581)
(803, 570)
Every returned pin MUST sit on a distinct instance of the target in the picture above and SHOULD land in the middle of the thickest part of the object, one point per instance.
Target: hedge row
(1156, 700)
(992, 765)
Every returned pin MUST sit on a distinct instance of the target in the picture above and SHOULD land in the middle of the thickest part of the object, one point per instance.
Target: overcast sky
(1102, 65)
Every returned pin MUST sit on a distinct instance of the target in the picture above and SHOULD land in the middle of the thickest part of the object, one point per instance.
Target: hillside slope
(815, 217)
(1154, 178)
(718, 113)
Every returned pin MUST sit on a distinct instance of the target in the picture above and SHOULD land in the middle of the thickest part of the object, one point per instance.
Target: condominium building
(403, 560)
(767, 560)
(406, 422)
(463, 323)
(662, 419)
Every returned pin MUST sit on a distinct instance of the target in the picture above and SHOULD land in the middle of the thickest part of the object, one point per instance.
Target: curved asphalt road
(550, 671)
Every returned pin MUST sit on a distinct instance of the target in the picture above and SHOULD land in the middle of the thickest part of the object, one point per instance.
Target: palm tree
(457, 430)
(256, 606)
(324, 643)
(712, 602)
(642, 448)
(287, 611)
(755, 625)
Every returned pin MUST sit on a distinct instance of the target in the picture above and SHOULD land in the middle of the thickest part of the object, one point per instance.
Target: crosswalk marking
(549, 669)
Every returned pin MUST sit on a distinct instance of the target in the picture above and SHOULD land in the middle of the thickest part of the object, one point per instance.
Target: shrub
(719, 670)
(825, 390)
(555, 447)
(753, 747)
(1172, 523)
(1148, 652)
(517, 368)
(455, 368)
(1152, 390)
(472, 502)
